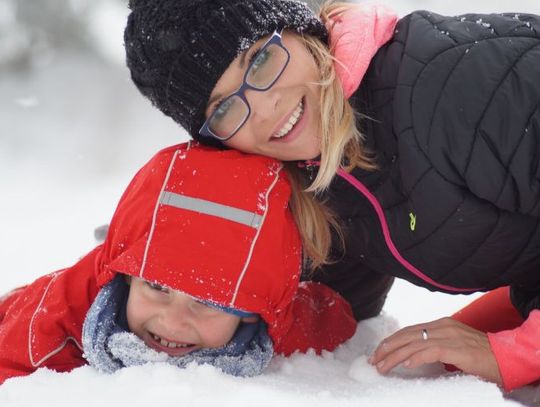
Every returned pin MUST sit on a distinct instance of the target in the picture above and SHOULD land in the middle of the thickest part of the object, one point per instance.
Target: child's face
(175, 323)
(272, 110)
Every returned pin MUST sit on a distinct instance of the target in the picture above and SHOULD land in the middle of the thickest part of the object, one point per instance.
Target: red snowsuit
(238, 247)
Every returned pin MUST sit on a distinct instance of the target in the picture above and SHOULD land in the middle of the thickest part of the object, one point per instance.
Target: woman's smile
(291, 125)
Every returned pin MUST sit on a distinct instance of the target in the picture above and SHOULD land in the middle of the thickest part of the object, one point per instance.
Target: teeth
(292, 121)
(168, 344)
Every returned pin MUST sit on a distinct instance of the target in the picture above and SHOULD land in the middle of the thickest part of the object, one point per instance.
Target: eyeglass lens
(261, 75)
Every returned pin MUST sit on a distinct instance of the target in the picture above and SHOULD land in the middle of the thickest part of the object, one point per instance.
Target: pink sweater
(518, 352)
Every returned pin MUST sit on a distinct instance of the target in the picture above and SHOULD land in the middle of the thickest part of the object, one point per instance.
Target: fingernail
(407, 363)
(380, 364)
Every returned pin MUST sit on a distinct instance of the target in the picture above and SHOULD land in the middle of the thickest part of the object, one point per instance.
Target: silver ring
(424, 334)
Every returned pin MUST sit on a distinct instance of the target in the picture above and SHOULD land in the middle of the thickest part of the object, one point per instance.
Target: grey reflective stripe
(211, 208)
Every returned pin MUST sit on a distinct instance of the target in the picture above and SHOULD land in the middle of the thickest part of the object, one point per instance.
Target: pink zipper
(386, 232)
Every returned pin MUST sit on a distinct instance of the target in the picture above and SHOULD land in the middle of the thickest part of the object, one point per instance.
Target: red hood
(213, 224)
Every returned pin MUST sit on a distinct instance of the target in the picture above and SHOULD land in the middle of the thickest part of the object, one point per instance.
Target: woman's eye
(222, 109)
(260, 59)
(157, 287)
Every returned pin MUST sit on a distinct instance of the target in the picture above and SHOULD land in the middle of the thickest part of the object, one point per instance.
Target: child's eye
(157, 287)
(205, 307)
(200, 303)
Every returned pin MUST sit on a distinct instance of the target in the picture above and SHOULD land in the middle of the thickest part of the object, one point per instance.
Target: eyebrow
(243, 58)
(214, 98)
(242, 63)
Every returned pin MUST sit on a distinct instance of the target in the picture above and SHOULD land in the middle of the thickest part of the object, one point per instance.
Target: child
(201, 264)
(420, 135)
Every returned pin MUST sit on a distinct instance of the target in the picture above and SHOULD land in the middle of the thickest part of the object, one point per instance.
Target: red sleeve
(41, 323)
(322, 320)
(518, 352)
(492, 312)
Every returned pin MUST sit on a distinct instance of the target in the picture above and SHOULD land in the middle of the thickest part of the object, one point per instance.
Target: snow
(73, 131)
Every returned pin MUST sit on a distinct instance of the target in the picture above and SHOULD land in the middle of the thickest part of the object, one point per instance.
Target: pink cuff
(356, 34)
(517, 352)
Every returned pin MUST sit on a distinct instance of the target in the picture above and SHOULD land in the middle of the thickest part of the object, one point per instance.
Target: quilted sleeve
(525, 297)
(469, 101)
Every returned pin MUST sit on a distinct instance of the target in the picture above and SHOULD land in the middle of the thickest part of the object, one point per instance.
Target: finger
(441, 328)
(438, 350)
(397, 340)
(400, 355)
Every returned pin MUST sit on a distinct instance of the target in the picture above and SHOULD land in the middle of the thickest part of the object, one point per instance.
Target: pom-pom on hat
(177, 50)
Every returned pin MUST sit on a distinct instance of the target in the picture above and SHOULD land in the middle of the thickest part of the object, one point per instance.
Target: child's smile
(170, 347)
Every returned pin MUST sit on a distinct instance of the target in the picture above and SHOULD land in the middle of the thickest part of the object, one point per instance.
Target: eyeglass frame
(276, 38)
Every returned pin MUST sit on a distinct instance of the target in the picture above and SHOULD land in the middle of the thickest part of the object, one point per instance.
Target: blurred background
(74, 129)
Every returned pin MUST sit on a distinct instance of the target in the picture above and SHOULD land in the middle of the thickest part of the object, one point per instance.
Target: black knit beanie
(177, 50)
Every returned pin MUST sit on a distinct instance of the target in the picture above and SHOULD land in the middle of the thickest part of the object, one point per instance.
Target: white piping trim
(30, 333)
(248, 260)
(152, 228)
(57, 350)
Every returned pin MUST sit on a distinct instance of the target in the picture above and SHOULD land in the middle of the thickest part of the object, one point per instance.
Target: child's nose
(178, 312)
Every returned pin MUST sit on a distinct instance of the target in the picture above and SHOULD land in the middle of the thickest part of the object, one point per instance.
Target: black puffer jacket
(455, 109)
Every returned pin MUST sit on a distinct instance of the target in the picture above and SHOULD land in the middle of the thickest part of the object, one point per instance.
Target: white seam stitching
(32, 321)
(152, 228)
(57, 350)
(30, 334)
(248, 260)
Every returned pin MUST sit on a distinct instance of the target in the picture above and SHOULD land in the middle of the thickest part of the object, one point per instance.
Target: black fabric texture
(454, 104)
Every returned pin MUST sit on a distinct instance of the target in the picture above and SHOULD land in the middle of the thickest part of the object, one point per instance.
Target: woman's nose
(264, 104)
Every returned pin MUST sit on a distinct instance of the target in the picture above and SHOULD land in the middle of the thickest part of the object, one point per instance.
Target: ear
(250, 320)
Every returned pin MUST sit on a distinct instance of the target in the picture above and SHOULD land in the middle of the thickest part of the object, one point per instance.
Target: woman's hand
(444, 340)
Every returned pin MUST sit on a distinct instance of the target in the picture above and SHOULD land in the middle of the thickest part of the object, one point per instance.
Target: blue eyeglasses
(263, 72)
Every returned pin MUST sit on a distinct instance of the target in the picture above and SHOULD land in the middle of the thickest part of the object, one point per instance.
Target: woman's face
(284, 120)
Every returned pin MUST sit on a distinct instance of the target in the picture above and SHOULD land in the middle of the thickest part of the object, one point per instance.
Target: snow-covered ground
(73, 131)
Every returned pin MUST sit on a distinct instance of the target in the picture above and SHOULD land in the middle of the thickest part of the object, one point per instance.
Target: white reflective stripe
(154, 216)
(231, 213)
(248, 260)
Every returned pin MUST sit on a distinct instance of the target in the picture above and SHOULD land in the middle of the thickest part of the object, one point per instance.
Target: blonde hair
(341, 147)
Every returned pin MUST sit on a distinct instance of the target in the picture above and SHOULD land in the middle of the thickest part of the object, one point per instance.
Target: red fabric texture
(41, 323)
(518, 352)
(322, 320)
(492, 312)
(514, 342)
(250, 267)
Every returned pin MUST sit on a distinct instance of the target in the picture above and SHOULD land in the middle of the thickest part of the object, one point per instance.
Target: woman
(433, 181)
